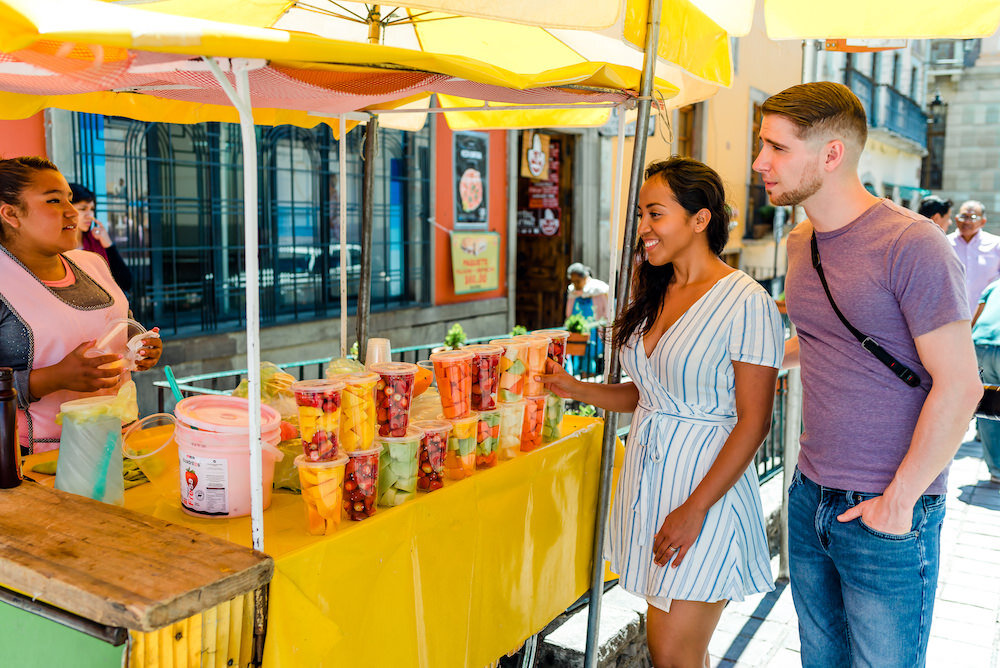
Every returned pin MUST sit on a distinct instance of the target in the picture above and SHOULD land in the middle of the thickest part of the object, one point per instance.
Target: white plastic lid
(210, 412)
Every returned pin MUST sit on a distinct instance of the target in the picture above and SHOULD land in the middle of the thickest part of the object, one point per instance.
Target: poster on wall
(539, 216)
(475, 261)
(538, 222)
(471, 176)
(534, 156)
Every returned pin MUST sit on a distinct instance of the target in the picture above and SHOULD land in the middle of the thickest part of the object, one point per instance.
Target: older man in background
(978, 250)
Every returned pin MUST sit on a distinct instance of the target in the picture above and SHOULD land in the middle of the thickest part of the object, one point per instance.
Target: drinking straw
(102, 479)
(173, 383)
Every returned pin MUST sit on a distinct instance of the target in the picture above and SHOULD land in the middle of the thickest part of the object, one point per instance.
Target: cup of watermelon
(323, 493)
(361, 483)
(460, 460)
(453, 373)
(318, 404)
(487, 439)
(534, 420)
(393, 394)
(511, 422)
(513, 369)
(397, 467)
(431, 455)
(485, 375)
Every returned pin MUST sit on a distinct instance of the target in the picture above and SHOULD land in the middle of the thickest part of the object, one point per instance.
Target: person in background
(867, 499)
(587, 296)
(938, 210)
(986, 337)
(978, 250)
(55, 302)
(94, 236)
(702, 343)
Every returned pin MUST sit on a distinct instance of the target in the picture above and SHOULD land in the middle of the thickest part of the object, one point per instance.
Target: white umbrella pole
(616, 214)
(344, 257)
(240, 97)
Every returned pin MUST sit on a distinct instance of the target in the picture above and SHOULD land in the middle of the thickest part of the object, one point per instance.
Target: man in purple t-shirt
(867, 500)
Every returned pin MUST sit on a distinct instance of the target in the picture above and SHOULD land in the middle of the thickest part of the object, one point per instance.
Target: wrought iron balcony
(901, 115)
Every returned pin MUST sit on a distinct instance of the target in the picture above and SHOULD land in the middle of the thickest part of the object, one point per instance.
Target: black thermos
(10, 449)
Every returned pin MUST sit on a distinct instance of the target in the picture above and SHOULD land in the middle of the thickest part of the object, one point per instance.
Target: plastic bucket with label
(213, 448)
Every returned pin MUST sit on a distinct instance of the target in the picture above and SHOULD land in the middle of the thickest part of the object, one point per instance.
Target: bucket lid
(393, 368)
(147, 423)
(413, 433)
(452, 356)
(209, 412)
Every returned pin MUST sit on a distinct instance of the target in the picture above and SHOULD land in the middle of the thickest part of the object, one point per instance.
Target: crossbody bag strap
(903, 372)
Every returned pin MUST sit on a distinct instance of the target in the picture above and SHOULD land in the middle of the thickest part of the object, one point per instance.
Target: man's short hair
(932, 205)
(822, 108)
(976, 203)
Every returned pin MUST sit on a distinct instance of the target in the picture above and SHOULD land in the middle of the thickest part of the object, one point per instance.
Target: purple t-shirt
(894, 277)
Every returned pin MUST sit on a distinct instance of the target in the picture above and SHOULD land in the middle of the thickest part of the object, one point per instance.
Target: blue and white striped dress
(686, 411)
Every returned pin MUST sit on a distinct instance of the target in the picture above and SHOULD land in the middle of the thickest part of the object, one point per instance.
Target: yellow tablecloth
(457, 577)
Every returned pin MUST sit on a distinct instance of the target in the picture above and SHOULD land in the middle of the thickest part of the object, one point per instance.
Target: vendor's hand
(101, 233)
(881, 515)
(678, 533)
(557, 380)
(150, 352)
(77, 372)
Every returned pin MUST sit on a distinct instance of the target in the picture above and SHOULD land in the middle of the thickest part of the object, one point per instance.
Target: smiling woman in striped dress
(702, 344)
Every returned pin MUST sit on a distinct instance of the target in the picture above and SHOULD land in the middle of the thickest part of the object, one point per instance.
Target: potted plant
(518, 331)
(579, 334)
(453, 340)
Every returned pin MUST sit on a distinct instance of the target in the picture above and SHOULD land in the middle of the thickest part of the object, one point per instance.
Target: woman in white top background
(702, 344)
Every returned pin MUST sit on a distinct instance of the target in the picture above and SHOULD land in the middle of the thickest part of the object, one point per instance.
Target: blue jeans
(989, 430)
(863, 597)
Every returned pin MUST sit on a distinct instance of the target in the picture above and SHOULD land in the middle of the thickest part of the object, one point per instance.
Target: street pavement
(762, 632)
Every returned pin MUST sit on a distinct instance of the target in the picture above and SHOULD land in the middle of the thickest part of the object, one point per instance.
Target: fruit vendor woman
(55, 301)
(587, 296)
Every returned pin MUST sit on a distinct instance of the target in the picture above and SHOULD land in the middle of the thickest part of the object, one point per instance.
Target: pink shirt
(981, 259)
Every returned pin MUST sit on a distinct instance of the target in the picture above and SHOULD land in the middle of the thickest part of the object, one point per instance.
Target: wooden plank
(222, 634)
(235, 627)
(194, 640)
(116, 566)
(209, 631)
(180, 647)
(246, 631)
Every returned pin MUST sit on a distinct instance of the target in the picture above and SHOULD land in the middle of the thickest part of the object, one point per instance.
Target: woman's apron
(55, 328)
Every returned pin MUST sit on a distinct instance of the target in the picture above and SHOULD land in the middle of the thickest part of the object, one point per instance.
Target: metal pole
(616, 214)
(367, 222)
(344, 255)
(614, 373)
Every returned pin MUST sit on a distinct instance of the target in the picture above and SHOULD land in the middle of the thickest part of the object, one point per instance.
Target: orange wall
(24, 137)
(444, 212)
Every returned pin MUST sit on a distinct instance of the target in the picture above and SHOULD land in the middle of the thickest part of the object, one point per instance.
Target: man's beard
(809, 187)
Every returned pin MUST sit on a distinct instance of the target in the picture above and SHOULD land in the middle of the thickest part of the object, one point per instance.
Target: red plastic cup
(485, 376)
(454, 380)
(319, 418)
(361, 484)
(392, 397)
(430, 457)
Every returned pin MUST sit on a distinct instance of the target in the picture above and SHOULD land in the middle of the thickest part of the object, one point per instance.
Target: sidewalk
(761, 631)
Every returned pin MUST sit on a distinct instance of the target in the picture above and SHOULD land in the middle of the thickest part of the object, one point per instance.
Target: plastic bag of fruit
(275, 391)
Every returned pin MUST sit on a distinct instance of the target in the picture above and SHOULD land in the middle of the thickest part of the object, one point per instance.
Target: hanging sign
(475, 261)
(534, 156)
(471, 158)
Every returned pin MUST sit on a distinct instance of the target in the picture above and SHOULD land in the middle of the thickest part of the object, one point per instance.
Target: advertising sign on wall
(475, 261)
(471, 158)
(534, 156)
(541, 217)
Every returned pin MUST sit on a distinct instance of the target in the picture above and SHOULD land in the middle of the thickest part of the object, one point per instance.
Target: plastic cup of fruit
(431, 455)
(392, 396)
(557, 343)
(460, 460)
(357, 411)
(487, 439)
(534, 420)
(323, 492)
(397, 468)
(555, 408)
(361, 483)
(511, 422)
(536, 353)
(453, 373)
(513, 369)
(485, 375)
(319, 417)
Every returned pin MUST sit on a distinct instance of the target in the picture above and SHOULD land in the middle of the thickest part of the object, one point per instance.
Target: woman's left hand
(678, 533)
(150, 352)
